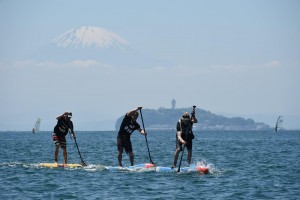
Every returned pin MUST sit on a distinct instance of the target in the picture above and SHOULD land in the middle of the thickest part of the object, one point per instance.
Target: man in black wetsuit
(184, 135)
(61, 129)
(128, 125)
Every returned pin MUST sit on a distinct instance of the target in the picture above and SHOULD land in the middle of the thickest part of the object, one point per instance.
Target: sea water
(243, 165)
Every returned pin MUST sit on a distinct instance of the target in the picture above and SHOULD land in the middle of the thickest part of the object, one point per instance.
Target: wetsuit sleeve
(178, 127)
(71, 125)
(138, 126)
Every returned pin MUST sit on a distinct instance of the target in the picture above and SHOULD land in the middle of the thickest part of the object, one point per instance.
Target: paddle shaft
(178, 170)
(82, 162)
(146, 137)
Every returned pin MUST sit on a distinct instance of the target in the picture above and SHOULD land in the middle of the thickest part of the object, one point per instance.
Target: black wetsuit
(125, 131)
(186, 134)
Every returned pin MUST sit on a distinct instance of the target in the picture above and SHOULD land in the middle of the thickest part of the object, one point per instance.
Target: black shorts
(189, 144)
(124, 143)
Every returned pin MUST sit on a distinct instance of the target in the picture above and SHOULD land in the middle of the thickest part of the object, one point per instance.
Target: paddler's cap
(69, 114)
(185, 116)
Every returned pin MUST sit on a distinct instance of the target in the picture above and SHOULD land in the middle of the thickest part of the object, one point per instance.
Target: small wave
(16, 164)
(94, 168)
(129, 169)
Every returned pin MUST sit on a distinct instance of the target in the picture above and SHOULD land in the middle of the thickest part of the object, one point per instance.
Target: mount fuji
(87, 37)
(99, 44)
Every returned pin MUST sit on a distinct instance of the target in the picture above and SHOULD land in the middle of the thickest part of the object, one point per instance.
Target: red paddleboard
(192, 168)
(144, 165)
(204, 170)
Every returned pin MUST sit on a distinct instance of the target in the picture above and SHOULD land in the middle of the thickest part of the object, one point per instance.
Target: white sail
(278, 123)
(37, 126)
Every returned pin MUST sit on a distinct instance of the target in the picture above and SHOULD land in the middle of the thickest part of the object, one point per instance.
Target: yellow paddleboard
(55, 165)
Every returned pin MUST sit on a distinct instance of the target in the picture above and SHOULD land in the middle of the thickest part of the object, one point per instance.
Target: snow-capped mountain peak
(88, 43)
(89, 36)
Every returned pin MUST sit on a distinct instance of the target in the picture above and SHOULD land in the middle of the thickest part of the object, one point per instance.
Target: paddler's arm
(179, 137)
(142, 131)
(71, 127)
(130, 113)
(72, 133)
(194, 119)
(193, 114)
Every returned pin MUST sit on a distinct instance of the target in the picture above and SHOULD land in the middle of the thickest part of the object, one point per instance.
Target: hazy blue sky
(234, 57)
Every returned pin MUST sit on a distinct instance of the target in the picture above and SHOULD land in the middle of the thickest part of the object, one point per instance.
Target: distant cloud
(236, 67)
(227, 67)
(84, 63)
(24, 63)
(53, 64)
(273, 64)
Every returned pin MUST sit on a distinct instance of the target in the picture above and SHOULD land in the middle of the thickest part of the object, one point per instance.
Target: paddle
(178, 170)
(146, 137)
(82, 162)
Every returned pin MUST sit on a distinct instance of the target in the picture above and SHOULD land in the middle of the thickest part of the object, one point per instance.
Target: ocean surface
(242, 164)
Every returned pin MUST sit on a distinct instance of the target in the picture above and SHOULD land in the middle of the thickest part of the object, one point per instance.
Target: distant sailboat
(37, 126)
(278, 124)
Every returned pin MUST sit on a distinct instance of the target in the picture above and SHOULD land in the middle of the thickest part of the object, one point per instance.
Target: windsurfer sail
(278, 124)
(37, 126)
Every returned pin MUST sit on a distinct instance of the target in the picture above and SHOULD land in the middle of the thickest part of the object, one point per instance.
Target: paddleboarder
(185, 136)
(60, 131)
(128, 125)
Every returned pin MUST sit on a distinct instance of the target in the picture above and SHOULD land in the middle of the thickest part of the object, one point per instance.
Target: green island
(166, 119)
